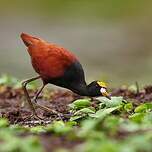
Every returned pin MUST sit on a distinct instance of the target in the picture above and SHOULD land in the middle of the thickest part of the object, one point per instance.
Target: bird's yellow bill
(105, 93)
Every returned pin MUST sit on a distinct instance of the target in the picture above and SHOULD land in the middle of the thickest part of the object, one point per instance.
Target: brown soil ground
(13, 106)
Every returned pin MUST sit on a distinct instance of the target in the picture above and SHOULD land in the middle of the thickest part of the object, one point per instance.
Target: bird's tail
(29, 40)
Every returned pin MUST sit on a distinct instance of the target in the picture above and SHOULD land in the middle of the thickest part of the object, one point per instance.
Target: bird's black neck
(86, 90)
(81, 89)
(91, 90)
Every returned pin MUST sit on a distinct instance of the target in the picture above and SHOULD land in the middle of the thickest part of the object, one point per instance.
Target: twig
(137, 86)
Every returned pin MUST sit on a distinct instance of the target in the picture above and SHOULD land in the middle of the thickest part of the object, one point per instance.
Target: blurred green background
(112, 38)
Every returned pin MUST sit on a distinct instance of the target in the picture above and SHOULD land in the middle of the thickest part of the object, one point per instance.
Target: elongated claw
(45, 108)
(35, 116)
(60, 115)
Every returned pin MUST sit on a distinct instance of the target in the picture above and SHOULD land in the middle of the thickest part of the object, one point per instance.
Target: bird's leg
(38, 93)
(60, 115)
(44, 107)
(24, 84)
(40, 106)
(47, 109)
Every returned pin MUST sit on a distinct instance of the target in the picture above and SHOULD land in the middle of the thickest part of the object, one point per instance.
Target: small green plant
(115, 125)
(11, 81)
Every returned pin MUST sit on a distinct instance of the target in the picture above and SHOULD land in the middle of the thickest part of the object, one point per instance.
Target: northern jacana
(58, 66)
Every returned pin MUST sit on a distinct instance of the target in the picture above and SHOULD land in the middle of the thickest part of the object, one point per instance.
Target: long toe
(33, 116)
(60, 116)
(45, 108)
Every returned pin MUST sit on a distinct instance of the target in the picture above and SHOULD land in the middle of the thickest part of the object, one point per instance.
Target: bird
(58, 66)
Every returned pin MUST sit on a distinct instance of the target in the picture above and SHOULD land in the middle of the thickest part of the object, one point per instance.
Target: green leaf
(82, 113)
(74, 118)
(148, 119)
(80, 103)
(128, 107)
(111, 123)
(18, 128)
(13, 143)
(140, 142)
(8, 80)
(37, 129)
(129, 126)
(103, 112)
(4, 123)
(31, 144)
(71, 123)
(87, 126)
(143, 107)
(137, 117)
(59, 127)
(85, 111)
(115, 101)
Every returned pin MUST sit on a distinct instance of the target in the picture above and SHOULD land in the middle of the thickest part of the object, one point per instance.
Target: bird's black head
(98, 88)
